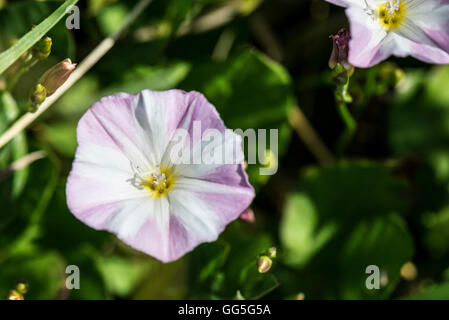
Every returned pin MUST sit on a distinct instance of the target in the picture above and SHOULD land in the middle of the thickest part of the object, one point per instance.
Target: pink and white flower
(379, 29)
(124, 179)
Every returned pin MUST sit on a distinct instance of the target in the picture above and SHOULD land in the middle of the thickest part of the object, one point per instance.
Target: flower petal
(432, 17)
(199, 216)
(367, 39)
(420, 45)
(99, 179)
(157, 115)
(145, 225)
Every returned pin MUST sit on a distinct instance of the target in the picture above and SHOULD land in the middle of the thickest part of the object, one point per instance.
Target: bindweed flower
(401, 28)
(126, 177)
(340, 50)
(55, 77)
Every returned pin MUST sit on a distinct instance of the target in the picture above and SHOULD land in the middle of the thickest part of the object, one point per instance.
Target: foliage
(383, 202)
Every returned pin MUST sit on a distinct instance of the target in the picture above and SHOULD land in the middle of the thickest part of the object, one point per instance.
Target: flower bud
(272, 252)
(56, 76)
(390, 74)
(37, 96)
(409, 271)
(41, 50)
(340, 50)
(264, 264)
(300, 296)
(248, 215)
(15, 295)
(22, 287)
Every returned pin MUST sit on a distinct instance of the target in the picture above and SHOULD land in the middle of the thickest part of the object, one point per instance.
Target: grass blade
(8, 57)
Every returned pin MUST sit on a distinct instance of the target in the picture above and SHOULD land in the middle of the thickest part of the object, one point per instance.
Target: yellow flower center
(159, 182)
(392, 14)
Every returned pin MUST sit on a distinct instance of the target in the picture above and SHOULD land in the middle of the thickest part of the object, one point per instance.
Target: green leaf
(61, 136)
(436, 292)
(164, 281)
(436, 232)
(8, 57)
(384, 242)
(331, 201)
(300, 232)
(342, 219)
(419, 122)
(250, 91)
(111, 18)
(207, 259)
(43, 271)
(92, 285)
(18, 147)
(238, 87)
(122, 275)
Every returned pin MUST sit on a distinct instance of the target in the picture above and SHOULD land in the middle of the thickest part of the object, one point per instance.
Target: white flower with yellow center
(379, 29)
(126, 179)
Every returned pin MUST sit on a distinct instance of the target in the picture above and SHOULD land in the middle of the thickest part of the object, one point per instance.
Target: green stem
(350, 123)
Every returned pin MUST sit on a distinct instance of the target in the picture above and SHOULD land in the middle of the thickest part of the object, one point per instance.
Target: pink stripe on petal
(429, 54)
(117, 111)
(441, 37)
(205, 114)
(227, 207)
(366, 40)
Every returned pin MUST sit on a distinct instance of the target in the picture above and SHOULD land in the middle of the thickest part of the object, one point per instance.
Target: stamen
(391, 14)
(156, 181)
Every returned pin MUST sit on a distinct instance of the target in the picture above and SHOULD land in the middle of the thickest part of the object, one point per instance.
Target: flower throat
(391, 14)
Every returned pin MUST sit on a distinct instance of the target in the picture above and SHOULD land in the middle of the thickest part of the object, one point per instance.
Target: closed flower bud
(56, 76)
(22, 287)
(264, 264)
(41, 50)
(272, 252)
(390, 74)
(15, 295)
(248, 216)
(37, 96)
(340, 50)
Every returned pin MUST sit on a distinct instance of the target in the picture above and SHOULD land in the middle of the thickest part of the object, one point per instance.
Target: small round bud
(272, 252)
(390, 74)
(41, 50)
(264, 264)
(300, 296)
(22, 287)
(15, 295)
(55, 77)
(38, 95)
(409, 271)
(248, 215)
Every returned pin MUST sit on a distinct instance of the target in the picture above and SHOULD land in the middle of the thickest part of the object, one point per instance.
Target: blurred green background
(384, 201)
